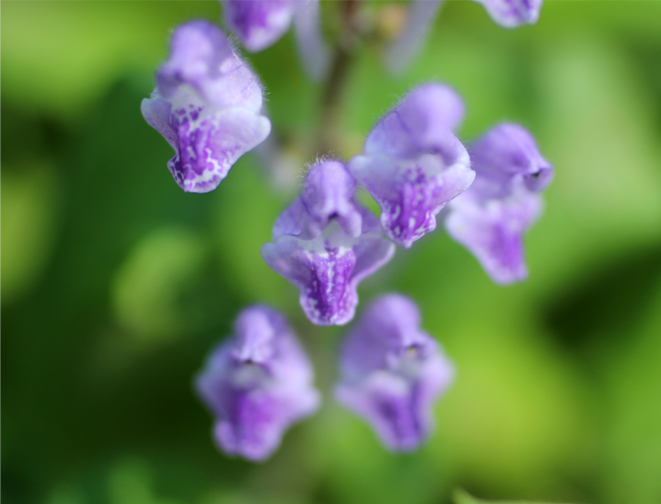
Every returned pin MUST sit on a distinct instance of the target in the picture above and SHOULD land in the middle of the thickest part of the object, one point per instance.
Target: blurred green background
(115, 284)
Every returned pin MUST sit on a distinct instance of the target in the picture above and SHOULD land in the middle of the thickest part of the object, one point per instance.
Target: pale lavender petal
(512, 13)
(257, 384)
(315, 53)
(325, 244)
(492, 217)
(420, 18)
(202, 58)
(507, 153)
(157, 113)
(259, 23)
(421, 122)
(393, 373)
(493, 231)
(328, 194)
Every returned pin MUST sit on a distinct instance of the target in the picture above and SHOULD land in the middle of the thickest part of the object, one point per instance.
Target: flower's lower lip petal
(208, 148)
(256, 424)
(255, 402)
(409, 202)
(494, 234)
(323, 274)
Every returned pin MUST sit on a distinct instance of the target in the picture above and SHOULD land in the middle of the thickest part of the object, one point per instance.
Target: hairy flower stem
(343, 57)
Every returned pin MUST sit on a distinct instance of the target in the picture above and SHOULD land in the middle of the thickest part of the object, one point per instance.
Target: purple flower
(413, 164)
(206, 104)
(325, 244)
(257, 383)
(393, 373)
(260, 23)
(492, 216)
(512, 13)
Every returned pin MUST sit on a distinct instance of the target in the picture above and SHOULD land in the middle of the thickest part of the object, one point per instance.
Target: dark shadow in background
(62, 424)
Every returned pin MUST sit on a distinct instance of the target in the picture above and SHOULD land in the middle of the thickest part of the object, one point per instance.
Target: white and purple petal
(493, 231)
(413, 164)
(325, 244)
(393, 373)
(209, 146)
(492, 217)
(206, 105)
(257, 384)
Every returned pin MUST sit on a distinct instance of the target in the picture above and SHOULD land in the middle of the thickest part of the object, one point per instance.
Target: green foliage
(116, 284)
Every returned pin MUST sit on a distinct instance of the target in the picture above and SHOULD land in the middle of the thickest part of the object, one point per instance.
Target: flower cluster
(208, 106)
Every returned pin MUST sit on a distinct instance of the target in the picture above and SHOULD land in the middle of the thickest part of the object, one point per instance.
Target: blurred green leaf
(461, 497)
(149, 281)
(30, 208)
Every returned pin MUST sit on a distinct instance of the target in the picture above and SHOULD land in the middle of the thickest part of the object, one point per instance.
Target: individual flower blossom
(257, 384)
(207, 105)
(492, 216)
(422, 13)
(260, 23)
(512, 13)
(413, 164)
(325, 244)
(393, 373)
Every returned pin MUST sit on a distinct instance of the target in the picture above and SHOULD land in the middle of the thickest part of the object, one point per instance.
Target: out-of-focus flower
(257, 384)
(207, 105)
(260, 23)
(492, 216)
(422, 13)
(413, 164)
(325, 244)
(512, 13)
(393, 373)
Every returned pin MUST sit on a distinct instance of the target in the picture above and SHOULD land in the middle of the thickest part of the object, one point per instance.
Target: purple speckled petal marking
(259, 23)
(257, 384)
(325, 244)
(512, 13)
(206, 105)
(413, 164)
(393, 373)
(491, 218)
